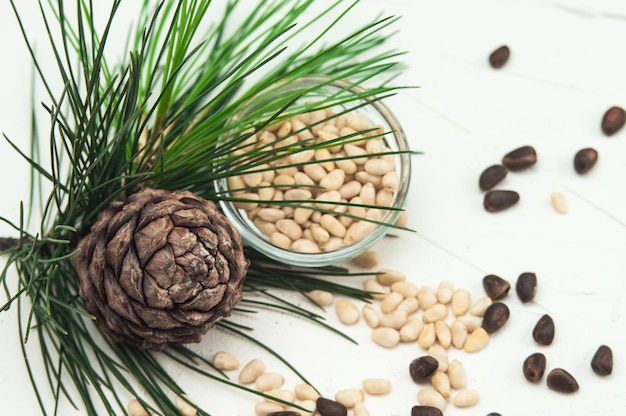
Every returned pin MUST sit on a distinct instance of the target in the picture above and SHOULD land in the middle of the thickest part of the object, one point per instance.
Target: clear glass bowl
(394, 139)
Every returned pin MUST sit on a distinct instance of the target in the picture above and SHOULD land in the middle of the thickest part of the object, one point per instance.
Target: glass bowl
(342, 101)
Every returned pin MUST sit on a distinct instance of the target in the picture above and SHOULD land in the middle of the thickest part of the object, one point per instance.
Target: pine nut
(435, 313)
(350, 189)
(321, 297)
(347, 312)
(441, 383)
(386, 337)
(479, 307)
(225, 361)
(388, 277)
(471, 322)
(460, 302)
(185, 408)
(411, 330)
(456, 374)
(444, 335)
(281, 394)
(310, 405)
(305, 246)
(444, 292)
(349, 397)
(358, 231)
(301, 214)
(377, 167)
(269, 381)
(252, 179)
(367, 260)
(280, 240)
(466, 398)
(360, 410)
(391, 181)
(271, 214)
(297, 194)
(559, 203)
(333, 180)
(375, 289)
(391, 302)
(136, 409)
(301, 157)
(250, 204)
(458, 331)
(306, 392)
(476, 341)
(440, 354)
(406, 289)
(334, 243)
(368, 194)
(410, 305)
(359, 154)
(376, 386)
(426, 297)
(314, 171)
(333, 226)
(267, 408)
(431, 397)
(427, 337)
(394, 319)
(251, 371)
(371, 317)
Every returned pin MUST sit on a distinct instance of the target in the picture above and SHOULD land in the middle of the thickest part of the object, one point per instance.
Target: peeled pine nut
(305, 246)
(360, 410)
(375, 289)
(427, 337)
(444, 336)
(444, 292)
(321, 297)
(466, 398)
(405, 288)
(441, 383)
(136, 409)
(431, 397)
(409, 305)
(371, 317)
(267, 408)
(394, 319)
(269, 381)
(390, 302)
(310, 405)
(281, 394)
(437, 312)
(347, 312)
(458, 332)
(388, 277)
(426, 297)
(476, 341)
(471, 322)
(224, 361)
(411, 330)
(251, 371)
(367, 260)
(440, 354)
(306, 392)
(559, 203)
(386, 337)
(185, 408)
(460, 302)
(376, 386)
(479, 307)
(456, 375)
(349, 397)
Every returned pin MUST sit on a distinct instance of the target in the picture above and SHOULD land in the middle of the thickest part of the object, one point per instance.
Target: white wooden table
(567, 67)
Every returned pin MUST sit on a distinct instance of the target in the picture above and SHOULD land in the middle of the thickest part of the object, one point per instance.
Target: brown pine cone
(160, 268)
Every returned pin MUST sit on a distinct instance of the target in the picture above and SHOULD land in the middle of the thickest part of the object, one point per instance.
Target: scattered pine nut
(225, 361)
(376, 386)
(251, 371)
(185, 408)
(559, 202)
(321, 297)
(368, 260)
(136, 409)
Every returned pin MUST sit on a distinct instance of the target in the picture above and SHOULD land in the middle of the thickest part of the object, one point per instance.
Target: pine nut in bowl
(320, 182)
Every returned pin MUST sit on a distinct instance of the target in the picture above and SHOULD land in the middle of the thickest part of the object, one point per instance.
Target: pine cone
(160, 268)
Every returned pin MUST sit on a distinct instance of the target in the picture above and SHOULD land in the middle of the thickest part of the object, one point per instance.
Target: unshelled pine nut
(347, 312)
(225, 361)
(466, 398)
(390, 302)
(456, 374)
(441, 383)
(386, 337)
(321, 297)
(269, 381)
(349, 397)
(431, 397)
(444, 336)
(305, 391)
(370, 316)
(376, 386)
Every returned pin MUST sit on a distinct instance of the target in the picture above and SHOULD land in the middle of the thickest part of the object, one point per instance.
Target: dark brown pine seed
(495, 317)
(422, 368)
(562, 381)
(327, 407)
(534, 366)
(499, 57)
(495, 201)
(602, 362)
(425, 411)
(495, 286)
(284, 413)
(543, 333)
(585, 159)
(526, 286)
(492, 176)
(520, 158)
(613, 120)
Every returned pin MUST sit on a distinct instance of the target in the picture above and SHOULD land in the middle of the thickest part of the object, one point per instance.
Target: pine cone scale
(160, 268)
